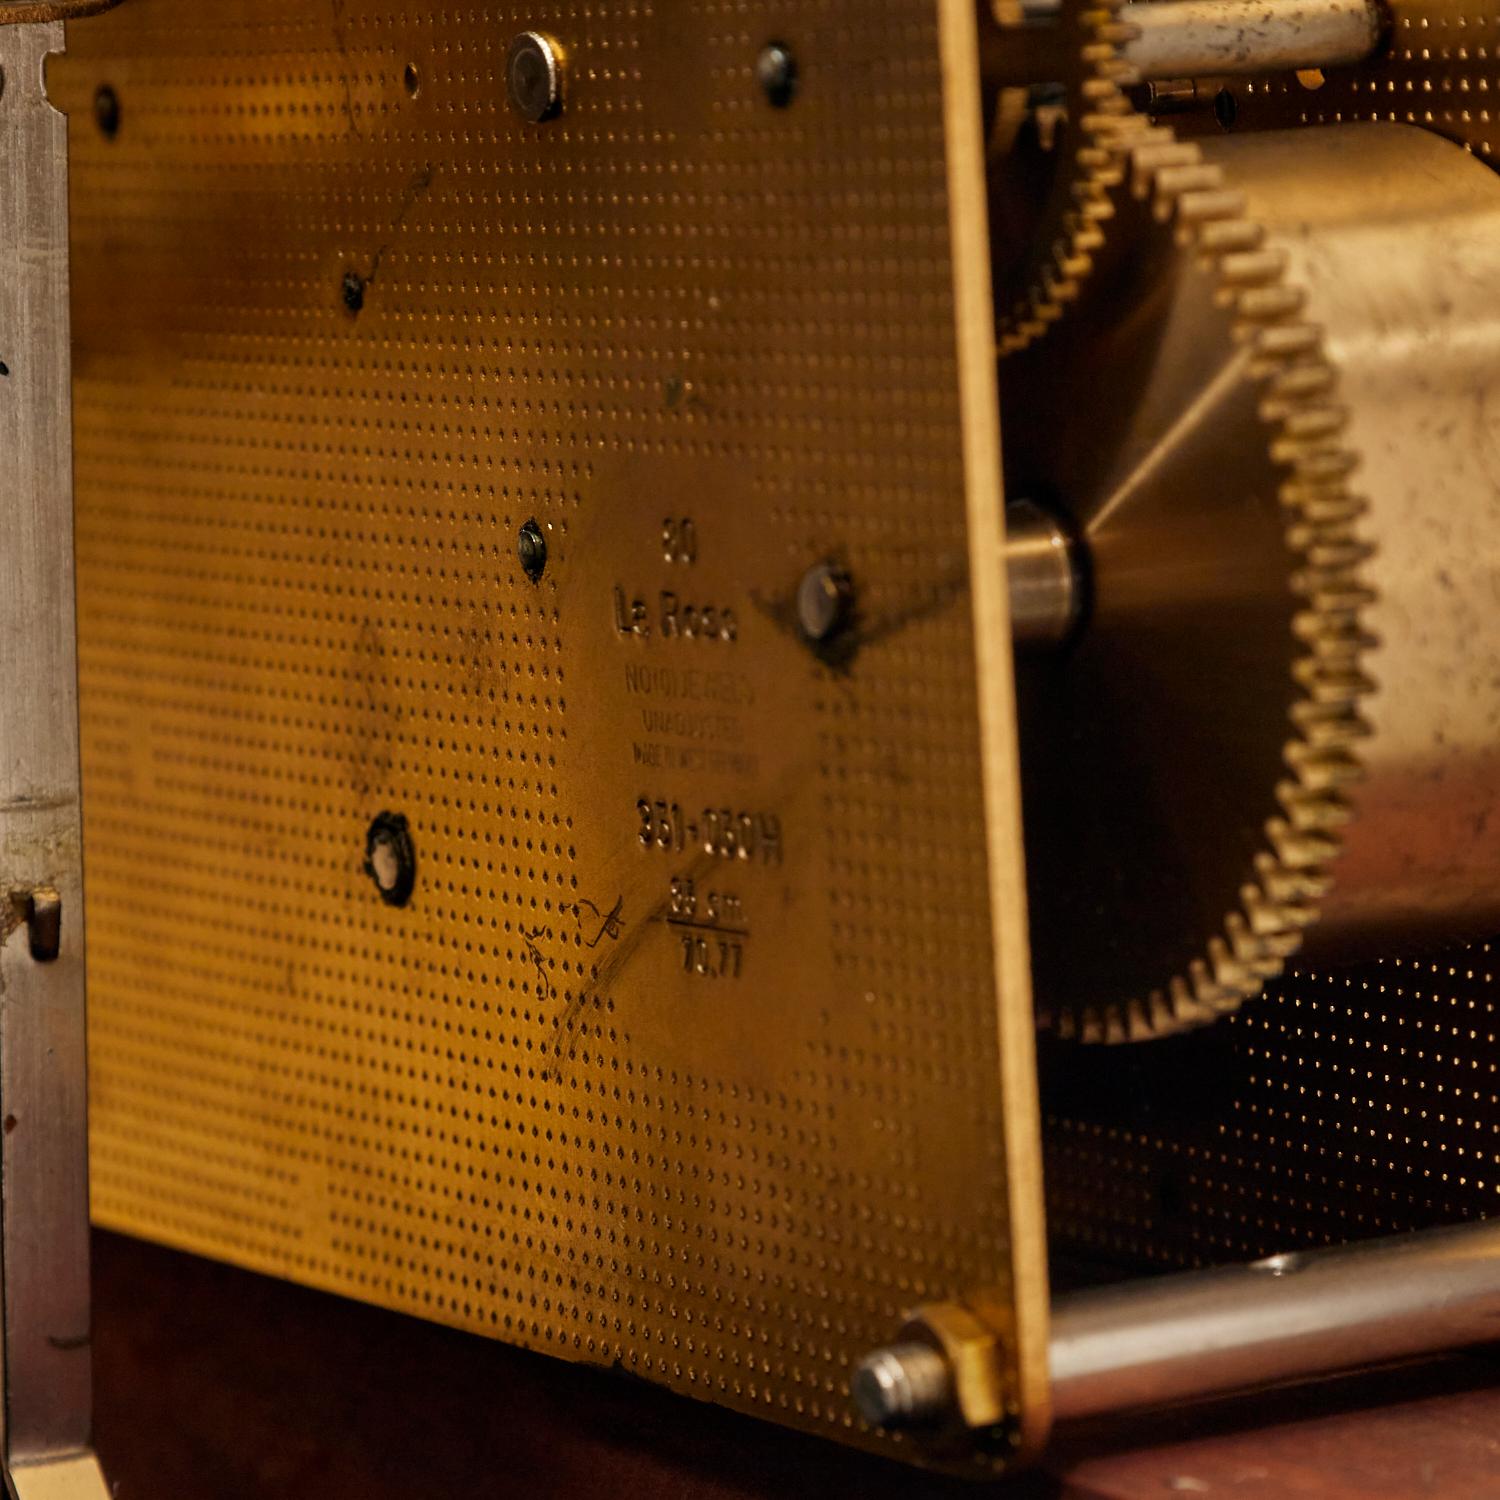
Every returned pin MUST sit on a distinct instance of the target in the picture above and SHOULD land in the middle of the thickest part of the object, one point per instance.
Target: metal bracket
(44, 1273)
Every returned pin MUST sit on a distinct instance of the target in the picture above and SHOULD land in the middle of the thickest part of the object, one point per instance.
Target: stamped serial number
(712, 958)
(725, 832)
(710, 926)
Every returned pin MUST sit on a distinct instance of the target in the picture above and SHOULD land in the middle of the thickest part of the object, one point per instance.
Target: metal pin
(776, 69)
(1046, 591)
(391, 858)
(531, 550)
(533, 76)
(825, 601)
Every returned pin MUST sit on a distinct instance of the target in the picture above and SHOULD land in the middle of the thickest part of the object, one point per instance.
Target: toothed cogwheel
(1186, 760)
(1062, 124)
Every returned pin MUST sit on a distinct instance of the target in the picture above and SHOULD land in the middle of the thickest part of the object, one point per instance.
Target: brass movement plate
(704, 1045)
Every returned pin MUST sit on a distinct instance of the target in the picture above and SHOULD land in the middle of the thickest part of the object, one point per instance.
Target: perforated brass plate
(1340, 1105)
(704, 1043)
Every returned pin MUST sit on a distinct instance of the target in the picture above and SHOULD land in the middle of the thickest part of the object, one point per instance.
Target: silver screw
(391, 858)
(902, 1386)
(776, 69)
(533, 76)
(825, 598)
(385, 865)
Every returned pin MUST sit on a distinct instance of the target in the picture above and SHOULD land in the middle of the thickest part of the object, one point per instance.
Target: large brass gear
(1185, 420)
(1053, 169)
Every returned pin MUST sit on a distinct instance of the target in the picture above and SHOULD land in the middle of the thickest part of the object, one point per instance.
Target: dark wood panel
(1424, 1430)
(215, 1384)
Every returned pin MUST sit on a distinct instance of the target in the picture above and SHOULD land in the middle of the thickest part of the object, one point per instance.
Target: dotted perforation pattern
(1342, 1104)
(1439, 68)
(343, 325)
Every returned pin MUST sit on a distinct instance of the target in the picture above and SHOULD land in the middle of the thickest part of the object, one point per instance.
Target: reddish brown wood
(1430, 1430)
(214, 1384)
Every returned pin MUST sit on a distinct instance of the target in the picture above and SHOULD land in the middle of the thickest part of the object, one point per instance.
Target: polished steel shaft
(1167, 1339)
(1046, 589)
(1175, 1338)
(1211, 38)
(1191, 38)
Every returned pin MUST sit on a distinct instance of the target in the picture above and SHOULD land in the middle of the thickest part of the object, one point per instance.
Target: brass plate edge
(46, 12)
(984, 498)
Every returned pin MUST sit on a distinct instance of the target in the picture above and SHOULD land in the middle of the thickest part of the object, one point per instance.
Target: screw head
(776, 71)
(533, 76)
(107, 111)
(825, 601)
(531, 550)
(391, 858)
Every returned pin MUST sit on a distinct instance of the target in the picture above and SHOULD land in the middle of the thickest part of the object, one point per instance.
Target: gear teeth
(1157, 156)
(1302, 424)
(1265, 304)
(1107, 126)
(1323, 772)
(1318, 461)
(1308, 812)
(1299, 381)
(1299, 407)
(1177, 183)
(1230, 236)
(1252, 267)
(1288, 340)
(1208, 206)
